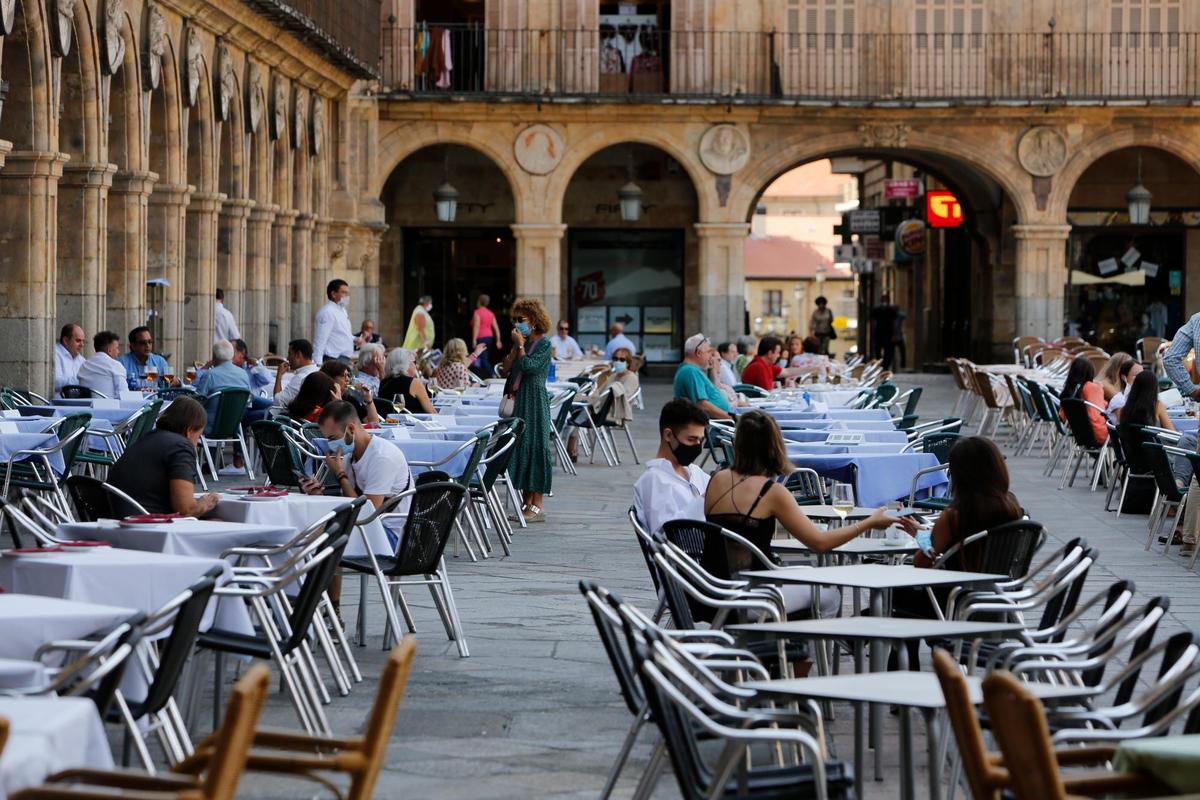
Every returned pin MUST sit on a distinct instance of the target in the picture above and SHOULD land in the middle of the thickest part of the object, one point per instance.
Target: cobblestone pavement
(534, 712)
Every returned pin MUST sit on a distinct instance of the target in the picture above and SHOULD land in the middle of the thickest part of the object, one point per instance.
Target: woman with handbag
(525, 398)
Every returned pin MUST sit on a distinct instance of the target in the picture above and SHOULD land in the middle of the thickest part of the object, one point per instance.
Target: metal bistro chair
(225, 425)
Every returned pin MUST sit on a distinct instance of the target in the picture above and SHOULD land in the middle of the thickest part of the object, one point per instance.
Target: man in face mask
(672, 487)
(334, 339)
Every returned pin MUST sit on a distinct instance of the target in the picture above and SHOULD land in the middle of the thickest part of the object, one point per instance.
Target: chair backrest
(70, 424)
(147, 416)
(611, 631)
(984, 779)
(1079, 421)
(1160, 467)
(280, 458)
(939, 444)
(94, 500)
(382, 720)
(76, 392)
(226, 407)
(1019, 725)
(185, 614)
(231, 743)
(430, 523)
(315, 582)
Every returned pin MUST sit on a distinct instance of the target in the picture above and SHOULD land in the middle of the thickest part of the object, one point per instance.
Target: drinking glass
(841, 497)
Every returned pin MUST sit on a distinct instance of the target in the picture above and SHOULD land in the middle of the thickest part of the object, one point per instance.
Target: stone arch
(1096, 148)
(667, 140)
(29, 119)
(83, 189)
(402, 141)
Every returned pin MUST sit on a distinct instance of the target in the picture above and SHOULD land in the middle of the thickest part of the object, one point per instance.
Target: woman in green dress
(528, 361)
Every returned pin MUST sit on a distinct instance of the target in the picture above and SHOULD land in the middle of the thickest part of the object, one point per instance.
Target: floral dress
(531, 467)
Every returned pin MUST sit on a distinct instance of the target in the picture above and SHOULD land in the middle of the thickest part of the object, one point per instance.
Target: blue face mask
(618, 367)
(523, 328)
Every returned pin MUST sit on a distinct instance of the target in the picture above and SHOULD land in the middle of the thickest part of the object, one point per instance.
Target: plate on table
(83, 545)
(33, 552)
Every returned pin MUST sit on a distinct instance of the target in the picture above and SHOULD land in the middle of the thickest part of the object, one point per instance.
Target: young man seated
(672, 487)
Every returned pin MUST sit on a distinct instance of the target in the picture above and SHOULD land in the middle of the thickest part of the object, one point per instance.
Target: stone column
(83, 244)
(28, 244)
(201, 276)
(722, 280)
(231, 256)
(302, 257)
(125, 283)
(164, 259)
(281, 280)
(257, 308)
(1041, 279)
(539, 264)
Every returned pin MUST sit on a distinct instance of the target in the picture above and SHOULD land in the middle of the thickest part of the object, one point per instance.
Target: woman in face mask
(527, 363)
(749, 498)
(621, 381)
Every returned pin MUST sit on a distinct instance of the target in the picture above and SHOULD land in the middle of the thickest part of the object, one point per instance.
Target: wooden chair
(1019, 725)
(360, 757)
(228, 747)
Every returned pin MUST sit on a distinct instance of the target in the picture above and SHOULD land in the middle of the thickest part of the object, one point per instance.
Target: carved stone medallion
(300, 117)
(190, 68)
(154, 45)
(724, 149)
(538, 149)
(883, 135)
(279, 107)
(256, 96)
(1042, 151)
(8, 15)
(226, 83)
(62, 12)
(317, 139)
(112, 39)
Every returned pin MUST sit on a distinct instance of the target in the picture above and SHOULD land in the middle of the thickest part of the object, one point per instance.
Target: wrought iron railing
(799, 67)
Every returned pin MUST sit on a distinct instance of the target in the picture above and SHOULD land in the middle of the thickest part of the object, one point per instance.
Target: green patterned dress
(531, 467)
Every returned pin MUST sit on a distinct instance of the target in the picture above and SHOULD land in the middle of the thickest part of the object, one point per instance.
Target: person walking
(820, 324)
(484, 331)
(420, 326)
(334, 339)
(527, 363)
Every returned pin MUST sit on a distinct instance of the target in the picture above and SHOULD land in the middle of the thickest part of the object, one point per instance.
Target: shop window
(772, 303)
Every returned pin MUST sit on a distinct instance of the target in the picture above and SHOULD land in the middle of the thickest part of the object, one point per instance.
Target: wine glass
(841, 497)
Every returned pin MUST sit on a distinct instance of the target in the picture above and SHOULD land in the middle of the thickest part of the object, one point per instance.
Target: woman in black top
(159, 470)
(749, 499)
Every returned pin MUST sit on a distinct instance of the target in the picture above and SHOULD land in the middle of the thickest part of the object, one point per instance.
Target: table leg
(878, 648)
(935, 755)
(858, 726)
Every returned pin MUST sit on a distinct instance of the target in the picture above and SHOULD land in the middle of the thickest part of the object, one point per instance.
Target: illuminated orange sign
(942, 210)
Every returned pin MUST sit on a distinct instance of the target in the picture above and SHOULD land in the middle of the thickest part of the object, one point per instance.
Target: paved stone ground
(534, 712)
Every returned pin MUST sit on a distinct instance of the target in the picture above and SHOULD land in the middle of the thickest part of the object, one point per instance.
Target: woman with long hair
(528, 362)
(1080, 385)
(749, 499)
(317, 391)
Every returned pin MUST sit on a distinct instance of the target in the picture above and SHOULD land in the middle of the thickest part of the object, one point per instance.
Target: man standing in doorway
(225, 329)
(334, 339)
(420, 326)
(883, 330)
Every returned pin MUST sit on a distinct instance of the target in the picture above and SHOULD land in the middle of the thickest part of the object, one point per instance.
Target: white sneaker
(231, 470)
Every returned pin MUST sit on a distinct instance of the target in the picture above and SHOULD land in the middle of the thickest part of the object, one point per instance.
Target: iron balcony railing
(655, 65)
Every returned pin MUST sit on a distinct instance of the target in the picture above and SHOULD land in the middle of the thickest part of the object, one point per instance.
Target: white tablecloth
(185, 537)
(21, 673)
(29, 621)
(299, 511)
(131, 578)
(47, 735)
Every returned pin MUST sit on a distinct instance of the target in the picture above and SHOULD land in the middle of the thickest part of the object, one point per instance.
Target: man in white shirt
(68, 356)
(225, 329)
(102, 372)
(334, 338)
(300, 362)
(672, 487)
(565, 346)
(617, 339)
(363, 464)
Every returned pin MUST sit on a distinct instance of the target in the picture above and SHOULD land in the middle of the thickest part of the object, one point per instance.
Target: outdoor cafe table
(1174, 760)
(298, 511)
(47, 735)
(860, 630)
(185, 537)
(878, 579)
(129, 578)
(878, 478)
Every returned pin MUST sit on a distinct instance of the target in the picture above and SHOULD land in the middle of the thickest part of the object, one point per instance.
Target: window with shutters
(954, 24)
(1135, 24)
(819, 23)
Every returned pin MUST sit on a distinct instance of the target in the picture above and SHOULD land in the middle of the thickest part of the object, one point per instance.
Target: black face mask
(687, 453)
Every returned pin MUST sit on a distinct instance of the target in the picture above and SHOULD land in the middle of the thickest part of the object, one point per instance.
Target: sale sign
(942, 210)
